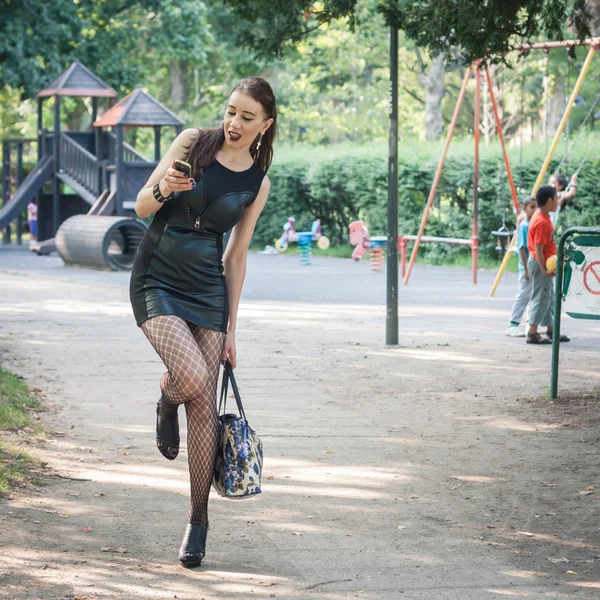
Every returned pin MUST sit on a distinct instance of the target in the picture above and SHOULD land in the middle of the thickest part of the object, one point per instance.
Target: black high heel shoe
(167, 434)
(193, 546)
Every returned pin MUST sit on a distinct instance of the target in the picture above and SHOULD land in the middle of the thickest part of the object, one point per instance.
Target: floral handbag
(239, 460)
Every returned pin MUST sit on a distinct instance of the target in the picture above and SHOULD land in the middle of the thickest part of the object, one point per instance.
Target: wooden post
(18, 182)
(542, 173)
(438, 173)
(6, 185)
(476, 137)
(97, 146)
(94, 110)
(55, 180)
(120, 170)
(157, 143)
(98, 153)
(40, 129)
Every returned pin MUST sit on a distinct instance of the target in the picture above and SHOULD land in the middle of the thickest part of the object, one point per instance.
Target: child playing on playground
(32, 211)
(561, 183)
(541, 245)
(523, 296)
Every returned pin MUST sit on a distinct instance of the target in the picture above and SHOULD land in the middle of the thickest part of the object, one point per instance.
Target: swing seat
(504, 236)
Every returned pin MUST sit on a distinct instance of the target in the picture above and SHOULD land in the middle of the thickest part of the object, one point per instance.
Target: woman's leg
(188, 374)
(192, 355)
(202, 425)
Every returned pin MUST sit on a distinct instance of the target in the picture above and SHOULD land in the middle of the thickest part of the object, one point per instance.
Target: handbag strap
(228, 376)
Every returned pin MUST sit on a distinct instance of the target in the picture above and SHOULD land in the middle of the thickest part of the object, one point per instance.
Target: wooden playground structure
(103, 170)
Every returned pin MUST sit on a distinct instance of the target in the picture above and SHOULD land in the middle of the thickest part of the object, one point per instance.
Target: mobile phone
(184, 167)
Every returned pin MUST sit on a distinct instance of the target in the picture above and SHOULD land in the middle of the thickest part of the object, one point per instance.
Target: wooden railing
(130, 154)
(80, 164)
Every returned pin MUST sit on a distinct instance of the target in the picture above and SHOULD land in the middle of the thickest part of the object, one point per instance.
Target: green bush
(341, 188)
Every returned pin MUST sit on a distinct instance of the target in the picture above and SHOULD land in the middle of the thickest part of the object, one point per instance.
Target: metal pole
(557, 314)
(476, 137)
(438, 174)
(560, 257)
(391, 323)
(511, 182)
(564, 44)
(542, 173)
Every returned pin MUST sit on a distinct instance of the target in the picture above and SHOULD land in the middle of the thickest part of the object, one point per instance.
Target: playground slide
(27, 191)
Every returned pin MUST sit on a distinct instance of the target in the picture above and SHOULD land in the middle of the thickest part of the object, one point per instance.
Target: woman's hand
(229, 349)
(175, 181)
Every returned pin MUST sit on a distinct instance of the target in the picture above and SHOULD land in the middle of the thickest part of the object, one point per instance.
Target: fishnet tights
(192, 355)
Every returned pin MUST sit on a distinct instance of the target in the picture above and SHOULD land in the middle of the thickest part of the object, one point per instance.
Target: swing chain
(581, 129)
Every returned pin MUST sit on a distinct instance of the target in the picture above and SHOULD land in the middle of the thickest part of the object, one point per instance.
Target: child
(560, 182)
(541, 244)
(32, 220)
(524, 292)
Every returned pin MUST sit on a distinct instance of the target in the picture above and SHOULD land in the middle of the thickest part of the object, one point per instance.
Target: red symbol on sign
(591, 278)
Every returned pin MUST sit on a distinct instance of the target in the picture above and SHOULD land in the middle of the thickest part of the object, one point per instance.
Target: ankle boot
(167, 433)
(193, 546)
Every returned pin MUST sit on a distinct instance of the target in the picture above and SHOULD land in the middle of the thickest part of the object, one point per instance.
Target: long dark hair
(562, 180)
(209, 141)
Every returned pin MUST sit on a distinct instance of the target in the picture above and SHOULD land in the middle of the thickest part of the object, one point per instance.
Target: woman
(184, 293)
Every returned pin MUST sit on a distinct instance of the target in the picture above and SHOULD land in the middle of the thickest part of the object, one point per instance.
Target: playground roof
(77, 80)
(139, 109)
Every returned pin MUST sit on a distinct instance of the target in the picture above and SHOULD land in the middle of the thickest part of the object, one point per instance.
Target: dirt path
(424, 471)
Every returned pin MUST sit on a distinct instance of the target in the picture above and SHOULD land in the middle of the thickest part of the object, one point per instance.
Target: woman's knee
(192, 389)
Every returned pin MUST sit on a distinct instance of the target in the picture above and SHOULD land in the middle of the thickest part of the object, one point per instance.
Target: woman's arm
(234, 263)
(145, 204)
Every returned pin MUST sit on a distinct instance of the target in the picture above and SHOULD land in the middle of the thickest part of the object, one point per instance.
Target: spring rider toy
(303, 238)
(359, 237)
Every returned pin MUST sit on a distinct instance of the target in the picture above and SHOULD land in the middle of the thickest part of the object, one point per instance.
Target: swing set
(479, 68)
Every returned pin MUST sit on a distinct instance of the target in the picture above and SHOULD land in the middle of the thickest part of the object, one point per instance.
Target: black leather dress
(178, 268)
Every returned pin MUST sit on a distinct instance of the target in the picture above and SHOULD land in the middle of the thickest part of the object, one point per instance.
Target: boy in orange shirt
(541, 245)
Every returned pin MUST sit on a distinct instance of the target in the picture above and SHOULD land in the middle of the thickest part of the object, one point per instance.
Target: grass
(17, 467)
(15, 400)
(459, 261)
(463, 261)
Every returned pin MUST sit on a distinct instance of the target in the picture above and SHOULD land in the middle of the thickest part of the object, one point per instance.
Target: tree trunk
(556, 106)
(78, 119)
(593, 10)
(198, 94)
(180, 84)
(432, 81)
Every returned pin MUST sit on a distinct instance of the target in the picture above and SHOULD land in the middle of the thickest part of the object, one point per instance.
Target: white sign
(582, 281)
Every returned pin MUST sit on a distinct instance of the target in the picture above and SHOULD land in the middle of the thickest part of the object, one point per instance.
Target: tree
(178, 35)
(38, 39)
(432, 79)
(477, 28)
(35, 37)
